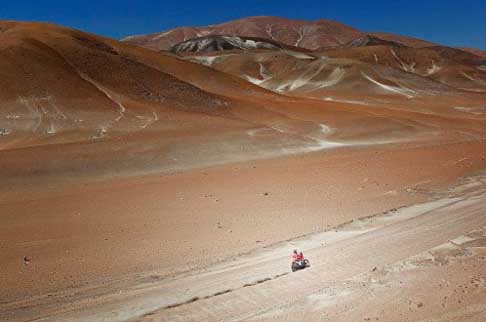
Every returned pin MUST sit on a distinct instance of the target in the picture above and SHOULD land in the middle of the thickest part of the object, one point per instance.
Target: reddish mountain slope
(62, 85)
(307, 34)
(310, 35)
(80, 104)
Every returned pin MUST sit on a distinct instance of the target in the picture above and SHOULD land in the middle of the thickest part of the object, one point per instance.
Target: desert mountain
(461, 69)
(319, 76)
(67, 85)
(367, 64)
(368, 68)
(80, 103)
(310, 35)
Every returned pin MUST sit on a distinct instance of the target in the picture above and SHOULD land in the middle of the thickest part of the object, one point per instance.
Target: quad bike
(300, 264)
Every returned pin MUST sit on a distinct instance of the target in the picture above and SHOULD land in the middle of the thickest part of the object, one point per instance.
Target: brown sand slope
(71, 86)
(100, 98)
(85, 105)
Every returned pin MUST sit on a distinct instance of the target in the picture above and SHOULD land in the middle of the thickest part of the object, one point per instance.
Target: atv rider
(298, 261)
(296, 256)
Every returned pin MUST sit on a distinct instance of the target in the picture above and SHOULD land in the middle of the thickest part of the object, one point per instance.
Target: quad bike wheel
(300, 265)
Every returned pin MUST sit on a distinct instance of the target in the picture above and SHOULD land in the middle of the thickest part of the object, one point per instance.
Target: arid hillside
(361, 74)
(61, 85)
(80, 104)
(307, 34)
(83, 104)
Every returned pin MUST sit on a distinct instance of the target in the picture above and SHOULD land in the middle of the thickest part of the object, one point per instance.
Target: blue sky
(454, 23)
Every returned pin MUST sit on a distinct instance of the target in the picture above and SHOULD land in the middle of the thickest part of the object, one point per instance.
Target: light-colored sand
(92, 234)
(444, 284)
(379, 268)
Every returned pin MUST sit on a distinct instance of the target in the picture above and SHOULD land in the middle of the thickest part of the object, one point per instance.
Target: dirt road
(259, 285)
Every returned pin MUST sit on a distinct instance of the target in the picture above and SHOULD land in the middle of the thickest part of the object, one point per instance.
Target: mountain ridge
(307, 34)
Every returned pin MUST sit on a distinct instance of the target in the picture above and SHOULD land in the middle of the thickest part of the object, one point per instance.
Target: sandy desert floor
(60, 256)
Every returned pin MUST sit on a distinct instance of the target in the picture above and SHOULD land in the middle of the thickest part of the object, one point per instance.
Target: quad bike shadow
(300, 264)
